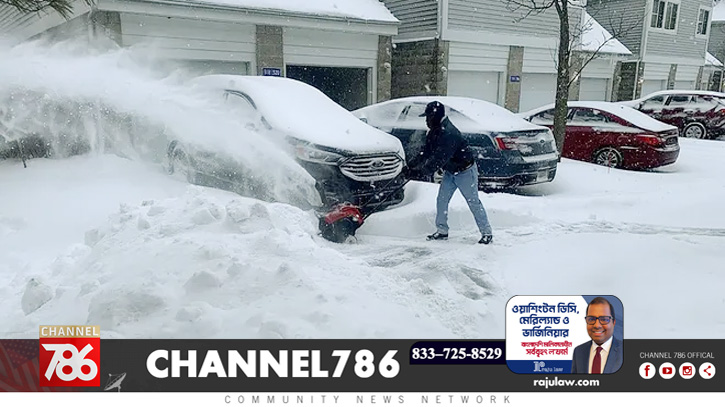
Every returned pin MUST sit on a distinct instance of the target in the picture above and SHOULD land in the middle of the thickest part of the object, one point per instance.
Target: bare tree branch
(617, 28)
(62, 7)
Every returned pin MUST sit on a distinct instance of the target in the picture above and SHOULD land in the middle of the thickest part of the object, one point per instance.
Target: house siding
(538, 60)
(180, 38)
(326, 48)
(599, 68)
(687, 73)
(465, 56)
(419, 18)
(618, 15)
(499, 17)
(656, 71)
(684, 43)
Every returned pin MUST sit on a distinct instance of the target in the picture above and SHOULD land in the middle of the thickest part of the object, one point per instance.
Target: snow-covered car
(349, 160)
(509, 151)
(25, 135)
(613, 135)
(696, 113)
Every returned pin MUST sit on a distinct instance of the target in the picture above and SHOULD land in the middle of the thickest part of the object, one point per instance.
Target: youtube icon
(667, 370)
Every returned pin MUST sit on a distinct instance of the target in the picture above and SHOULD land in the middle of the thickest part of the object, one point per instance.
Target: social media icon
(647, 370)
(667, 370)
(687, 370)
(707, 370)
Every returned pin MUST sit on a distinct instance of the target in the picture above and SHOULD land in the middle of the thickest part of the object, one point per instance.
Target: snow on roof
(680, 91)
(357, 9)
(633, 116)
(718, 12)
(595, 35)
(482, 115)
(304, 112)
(711, 60)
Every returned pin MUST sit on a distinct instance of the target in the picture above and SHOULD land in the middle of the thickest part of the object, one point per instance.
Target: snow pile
(86, 100)
(212, 264)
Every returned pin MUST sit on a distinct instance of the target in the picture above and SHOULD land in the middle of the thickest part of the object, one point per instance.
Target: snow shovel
(344, 219)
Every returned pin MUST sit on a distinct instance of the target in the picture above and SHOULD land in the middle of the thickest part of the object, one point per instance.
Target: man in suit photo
(603, 354)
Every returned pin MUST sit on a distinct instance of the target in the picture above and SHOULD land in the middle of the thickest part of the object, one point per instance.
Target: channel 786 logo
(70, 355)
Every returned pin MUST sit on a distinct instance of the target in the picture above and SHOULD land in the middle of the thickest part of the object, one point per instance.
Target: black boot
(437, 236)
(486, 239)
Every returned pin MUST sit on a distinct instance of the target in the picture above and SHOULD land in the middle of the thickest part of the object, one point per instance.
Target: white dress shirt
(606, 346)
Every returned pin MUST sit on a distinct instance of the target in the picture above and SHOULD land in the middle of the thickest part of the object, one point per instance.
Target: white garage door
(684, 85)
(201, 67)
(478, 85)
(650, 86)
(593, 89)
(537, 89)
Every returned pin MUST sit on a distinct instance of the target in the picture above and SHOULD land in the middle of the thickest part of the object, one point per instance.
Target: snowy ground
(103, 240)
(99, 239)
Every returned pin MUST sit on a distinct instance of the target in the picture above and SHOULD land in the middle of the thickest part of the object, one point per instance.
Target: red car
(697, 113)
(613, 135)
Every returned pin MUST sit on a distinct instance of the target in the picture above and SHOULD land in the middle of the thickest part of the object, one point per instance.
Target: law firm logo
(70, 355)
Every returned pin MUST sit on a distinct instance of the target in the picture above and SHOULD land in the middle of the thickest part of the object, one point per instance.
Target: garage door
(684, 85)
(478, 85)
(201, 67)
(650, 86)
(346, 86)
(593, 89)
(537, 89)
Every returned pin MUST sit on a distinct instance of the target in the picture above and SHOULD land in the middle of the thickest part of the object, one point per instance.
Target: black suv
(349, 160)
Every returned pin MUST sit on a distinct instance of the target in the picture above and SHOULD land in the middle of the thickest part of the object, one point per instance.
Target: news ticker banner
(383, 366)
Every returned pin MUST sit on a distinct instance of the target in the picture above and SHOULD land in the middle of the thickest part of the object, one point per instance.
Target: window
(545, 118)
(671, 16)
(679, 100)
(243, 106)
(702, 21)
(658, 13)
(410, 117)
(589, 116)
(664, 14)
(653, 103)
(704, 103)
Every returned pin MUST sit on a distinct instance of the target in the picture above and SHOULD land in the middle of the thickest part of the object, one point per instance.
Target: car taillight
(506, 143)
(513, 143)
(651, 140)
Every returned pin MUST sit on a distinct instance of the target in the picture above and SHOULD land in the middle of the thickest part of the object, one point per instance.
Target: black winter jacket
(444, 148)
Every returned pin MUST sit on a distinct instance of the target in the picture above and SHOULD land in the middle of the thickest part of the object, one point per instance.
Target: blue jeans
(467, 182)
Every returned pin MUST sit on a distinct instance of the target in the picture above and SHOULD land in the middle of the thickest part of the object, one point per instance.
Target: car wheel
(695, 130)
(608, 157)
(180, 163)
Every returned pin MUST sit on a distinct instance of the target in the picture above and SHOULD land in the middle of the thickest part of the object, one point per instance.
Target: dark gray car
(509, 151)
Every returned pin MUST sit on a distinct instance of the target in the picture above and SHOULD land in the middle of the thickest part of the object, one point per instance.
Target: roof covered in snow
(370, 10)
(597, 39)
(718, 12)
(710, 60)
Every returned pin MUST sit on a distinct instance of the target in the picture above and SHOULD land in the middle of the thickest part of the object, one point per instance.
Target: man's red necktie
(597, 364)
